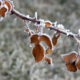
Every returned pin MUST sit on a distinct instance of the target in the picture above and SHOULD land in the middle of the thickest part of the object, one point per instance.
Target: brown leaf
(3, 11)
(8, 4)
(49, 60)
(38, 38)
(71, 67)
(48, 23)
(69, 57)
(55, 38)
(78, 62)
(47, 40)
(38, 52)
(49, 51)
(0, 3)
(35, 39)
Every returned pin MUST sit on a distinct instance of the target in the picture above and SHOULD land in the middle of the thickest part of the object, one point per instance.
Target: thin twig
(24, 17)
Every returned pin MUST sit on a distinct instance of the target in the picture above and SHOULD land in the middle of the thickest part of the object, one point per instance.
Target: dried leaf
(69, 57)
(47, 40)
(8, 4)
(49, 60)
(71, 67)
(35, 39)
(49, 51)
(0, 3)
(55, 38)
(48, 23)
(3, 11)
(78, 62)
(38, 52)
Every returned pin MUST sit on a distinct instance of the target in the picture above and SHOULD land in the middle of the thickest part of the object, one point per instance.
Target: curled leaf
(38, 52)
(8, 4)
(71, 67)
(35, 39)
(48, 23)
(78, 62)
(69, 57)
(5, 7)
(55, 38)
(38, 38)
(49, 60)
(49, 51)
(3, 11)
(72, 61)
(47, 40)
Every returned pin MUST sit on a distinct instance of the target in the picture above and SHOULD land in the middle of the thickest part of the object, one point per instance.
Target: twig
(24, 17)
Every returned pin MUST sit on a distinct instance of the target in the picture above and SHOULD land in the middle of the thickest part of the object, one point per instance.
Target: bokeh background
(16, 59)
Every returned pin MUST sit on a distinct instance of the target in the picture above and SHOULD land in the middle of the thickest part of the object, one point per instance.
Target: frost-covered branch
(63, 31)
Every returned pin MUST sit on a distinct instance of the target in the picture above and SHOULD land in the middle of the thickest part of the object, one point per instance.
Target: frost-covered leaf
(5, 7)
(3, 11)
(6, 2)
(48, 23)
(47, 40)
(71, 67)
(69, 57)
(78, 62)
(55, 38)
(35, 39)
(38, 52)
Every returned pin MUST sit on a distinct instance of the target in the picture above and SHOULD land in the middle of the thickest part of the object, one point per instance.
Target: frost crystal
(40, 26)
(36, 15)
(28, 16)
(60, 26)
(42, 22)
(55, 24)
(1, 19)
(79, 31)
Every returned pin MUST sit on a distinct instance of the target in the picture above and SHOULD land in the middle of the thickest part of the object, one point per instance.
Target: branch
(24, 17)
